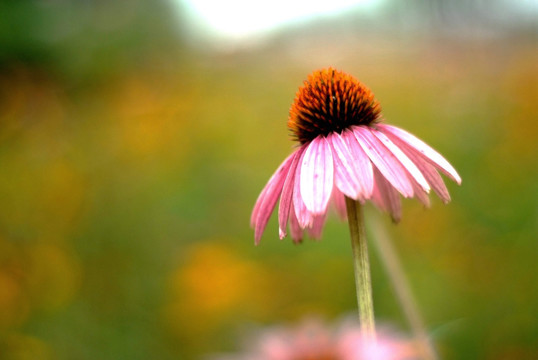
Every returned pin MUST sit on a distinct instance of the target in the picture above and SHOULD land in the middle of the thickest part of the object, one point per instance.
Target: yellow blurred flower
(214, 283)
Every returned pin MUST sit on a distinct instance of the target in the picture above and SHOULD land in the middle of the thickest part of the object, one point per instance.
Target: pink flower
(313, 340)
(345, 150)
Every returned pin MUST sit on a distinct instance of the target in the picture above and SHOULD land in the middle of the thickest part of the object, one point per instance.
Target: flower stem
(362, 267)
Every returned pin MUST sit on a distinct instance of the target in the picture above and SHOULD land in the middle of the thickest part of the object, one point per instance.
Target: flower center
(331, 101)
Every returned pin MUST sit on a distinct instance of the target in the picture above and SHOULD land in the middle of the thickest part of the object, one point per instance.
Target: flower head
(314, 340)
(331, 101)
(345, 150)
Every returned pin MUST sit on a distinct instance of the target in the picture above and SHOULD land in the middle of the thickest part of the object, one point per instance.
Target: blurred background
(136, 136)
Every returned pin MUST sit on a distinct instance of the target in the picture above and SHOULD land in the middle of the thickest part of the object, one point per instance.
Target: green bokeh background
(132, 151)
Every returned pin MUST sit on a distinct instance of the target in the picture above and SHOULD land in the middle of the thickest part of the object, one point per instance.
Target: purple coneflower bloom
(345, 150)
(315, 340)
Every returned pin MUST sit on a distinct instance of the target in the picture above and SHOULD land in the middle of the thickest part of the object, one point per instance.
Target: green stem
(362, 267)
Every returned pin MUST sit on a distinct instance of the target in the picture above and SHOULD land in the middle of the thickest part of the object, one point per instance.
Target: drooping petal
(377, 199)
(258, 204)
(420, 194)
(386, 197)
(430, 173)
(339, 203)
(267, 187)
(317, 226)
(287, 193)
(317, 175)
(295, 228)
(303, 216)
(267, 200)
(422, 148)
(362, 164)
(384, 160)
(404, 160)
(345, 175)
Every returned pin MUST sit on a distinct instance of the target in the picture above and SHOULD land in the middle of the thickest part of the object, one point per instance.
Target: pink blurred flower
(313, 340)
(345, 150)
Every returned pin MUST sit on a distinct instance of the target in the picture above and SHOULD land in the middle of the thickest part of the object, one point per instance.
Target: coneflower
(346, 155)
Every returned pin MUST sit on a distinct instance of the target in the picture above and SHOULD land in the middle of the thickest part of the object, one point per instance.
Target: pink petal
(385, 161)
(304, 217)
(259, 201)
(287, 194)
(377, 199)
(339, 203)
(345, 175)
(404, 160)
(267, 200)
(425, 150)
(420, 194)
(295, 228)
(362, 164)
(387, 196)
(316, 181)
(317, 226)
(429, 172)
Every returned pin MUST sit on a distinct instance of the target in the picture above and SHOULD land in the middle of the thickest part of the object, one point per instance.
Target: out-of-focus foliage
(130, 162)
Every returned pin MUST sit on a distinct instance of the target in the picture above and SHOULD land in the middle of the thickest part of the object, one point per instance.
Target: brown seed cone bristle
(331, 101)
